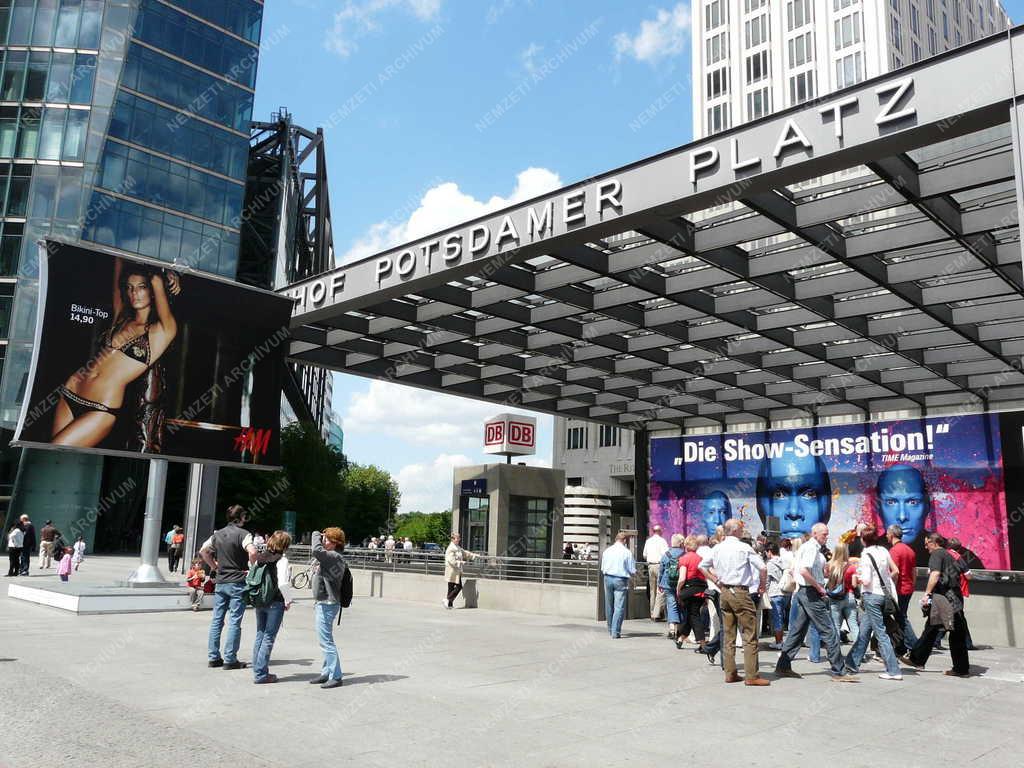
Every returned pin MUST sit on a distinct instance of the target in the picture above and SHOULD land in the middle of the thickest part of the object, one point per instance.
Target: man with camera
(812, 608)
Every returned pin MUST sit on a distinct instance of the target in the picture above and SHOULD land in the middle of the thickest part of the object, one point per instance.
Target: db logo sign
(520, 433)
(494, 433)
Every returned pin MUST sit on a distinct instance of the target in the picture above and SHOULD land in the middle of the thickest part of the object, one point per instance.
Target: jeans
(957, 644)
(227, 603)
(326, 613)
(813, 636)
(671, 606)
(26, 560)
(616, 590)
(780, 611)
(846, 609)
(874, 625)
(909, 636)
(268, 622)
(811, 610)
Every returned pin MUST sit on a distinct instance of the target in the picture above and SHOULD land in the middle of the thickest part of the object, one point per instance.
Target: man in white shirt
(654, 548)
(729, 566)
(617, 567)
(812, 608)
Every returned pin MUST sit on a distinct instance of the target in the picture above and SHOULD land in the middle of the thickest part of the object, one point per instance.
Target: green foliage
(370, 499)
(421, 527)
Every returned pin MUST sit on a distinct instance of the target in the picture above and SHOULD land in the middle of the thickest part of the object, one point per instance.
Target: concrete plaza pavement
(429, 687)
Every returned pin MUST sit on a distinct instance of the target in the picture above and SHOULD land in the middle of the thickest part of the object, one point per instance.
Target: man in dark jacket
(943, 580)
(229, 552)
(327, 580)
(30, 543)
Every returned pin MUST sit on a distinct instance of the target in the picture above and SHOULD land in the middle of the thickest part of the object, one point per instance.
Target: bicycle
(304, 578)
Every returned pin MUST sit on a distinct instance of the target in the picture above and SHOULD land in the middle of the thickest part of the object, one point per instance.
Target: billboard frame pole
(148, 572)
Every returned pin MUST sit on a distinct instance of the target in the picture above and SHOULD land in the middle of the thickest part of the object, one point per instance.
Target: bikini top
(137, 349)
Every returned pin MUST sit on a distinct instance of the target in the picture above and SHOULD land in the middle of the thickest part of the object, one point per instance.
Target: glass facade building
(123, 123)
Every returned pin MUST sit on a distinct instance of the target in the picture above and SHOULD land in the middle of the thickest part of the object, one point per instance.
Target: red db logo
(494, 434)
(520, 433)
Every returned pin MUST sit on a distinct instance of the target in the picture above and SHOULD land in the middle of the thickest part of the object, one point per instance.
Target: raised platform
(91, 599)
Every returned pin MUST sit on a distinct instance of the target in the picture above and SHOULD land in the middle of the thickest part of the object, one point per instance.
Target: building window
(847, 31)
(717, 47)
(529, 527)
(798, 13)
(915, 51)
(838, 5)
(757, 30)
(575, 482)
(801, 87)
(716, 13)
(718, 118)
(849, 70)
(753, 5)
(897, 35)
(929, 7)
(757, 67)
(945, 27)
(915, 21)
(933, 41)
(897, 61)
(607, 436)
(758, 103)
(895, 5)
(801, 50)
(718, 83)
(576, 438)
(473, 513)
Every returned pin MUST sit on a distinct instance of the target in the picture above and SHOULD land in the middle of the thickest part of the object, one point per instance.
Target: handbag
(788, 582)
(889, 607)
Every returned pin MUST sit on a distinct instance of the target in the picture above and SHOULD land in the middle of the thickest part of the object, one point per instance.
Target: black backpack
(345, 598)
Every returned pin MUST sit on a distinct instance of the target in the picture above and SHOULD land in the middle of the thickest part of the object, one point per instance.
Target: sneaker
(266, 680)
(235, 665)
(887, 676)
(775, 646)
(332, 684)
(844, 679)
(905, 660)
(215, 663)
(816, 661)
(320, 680)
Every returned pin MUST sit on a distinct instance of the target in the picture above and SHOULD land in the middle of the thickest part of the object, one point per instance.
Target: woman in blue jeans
(327, 581)
(875, 574)
(269, 617)
(841, 571)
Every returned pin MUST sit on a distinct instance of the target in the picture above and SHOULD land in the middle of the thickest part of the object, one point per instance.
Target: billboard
(140, 358)
(945, 474)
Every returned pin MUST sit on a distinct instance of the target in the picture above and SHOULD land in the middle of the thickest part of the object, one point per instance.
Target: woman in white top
(270, 616)
(875, 574)
(15, 541)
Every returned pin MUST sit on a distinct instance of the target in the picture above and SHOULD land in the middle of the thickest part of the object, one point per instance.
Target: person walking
(455, 558)
(15, 541)
(617, 568)
(945, 605)
(654, 548)
(954, 547)
(840, 587)
(779, 600)
(28, 545)
(328, 577)
(176, 547)
(228, 552)
(905, 560)
(811, 609)
(46, 553)
(668, 582)
(691, 595)
(875, 574)
(728, 566)
(78, 554)
(269, 617)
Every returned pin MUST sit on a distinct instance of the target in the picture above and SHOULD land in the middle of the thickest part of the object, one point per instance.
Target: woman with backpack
(270, 615)
(668, 580)
(330, 597)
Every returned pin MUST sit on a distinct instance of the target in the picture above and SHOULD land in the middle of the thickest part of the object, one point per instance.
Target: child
(79, 552)
(64, 569)
(195, 578)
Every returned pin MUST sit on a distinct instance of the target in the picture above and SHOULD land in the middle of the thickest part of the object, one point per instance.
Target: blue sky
(435, 111)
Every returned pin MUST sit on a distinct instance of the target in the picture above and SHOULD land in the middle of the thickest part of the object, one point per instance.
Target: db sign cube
(510, 435)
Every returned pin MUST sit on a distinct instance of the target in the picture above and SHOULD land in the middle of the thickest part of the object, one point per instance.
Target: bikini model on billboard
(144, 327)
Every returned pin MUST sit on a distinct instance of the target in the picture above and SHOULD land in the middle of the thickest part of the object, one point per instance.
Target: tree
(422, 527)
(370, 498)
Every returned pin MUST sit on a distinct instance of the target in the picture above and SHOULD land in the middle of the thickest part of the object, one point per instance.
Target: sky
(437, 111)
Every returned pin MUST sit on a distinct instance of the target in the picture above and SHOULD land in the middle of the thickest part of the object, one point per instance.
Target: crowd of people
(858, 592)
(55, 551)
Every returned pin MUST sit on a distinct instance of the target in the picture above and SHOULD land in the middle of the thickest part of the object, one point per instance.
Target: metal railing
(582, 573)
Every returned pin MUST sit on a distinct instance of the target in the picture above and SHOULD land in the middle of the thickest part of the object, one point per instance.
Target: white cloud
(428, 487)
(664, 35)
(445, 205)
(356, 19)
(529, 57)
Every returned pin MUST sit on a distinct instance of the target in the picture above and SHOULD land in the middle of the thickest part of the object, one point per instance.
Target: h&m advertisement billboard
(139, 358)
(948, 474)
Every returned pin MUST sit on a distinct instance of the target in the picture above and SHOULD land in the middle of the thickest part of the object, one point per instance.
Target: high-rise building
(124, 123)
(750, 58)
(754, 57)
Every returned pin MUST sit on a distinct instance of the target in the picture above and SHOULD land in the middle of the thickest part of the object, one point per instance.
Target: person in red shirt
(690, 595)
(906, 560)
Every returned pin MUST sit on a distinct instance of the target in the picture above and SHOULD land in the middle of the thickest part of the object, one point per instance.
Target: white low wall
(522, 596)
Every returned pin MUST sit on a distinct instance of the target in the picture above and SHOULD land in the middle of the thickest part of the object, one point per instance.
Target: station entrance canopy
(853, 255)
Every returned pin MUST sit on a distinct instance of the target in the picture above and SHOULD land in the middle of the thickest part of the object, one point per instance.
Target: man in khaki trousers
(654, 548)
(730, 565)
